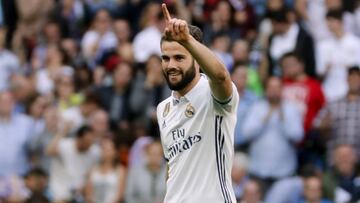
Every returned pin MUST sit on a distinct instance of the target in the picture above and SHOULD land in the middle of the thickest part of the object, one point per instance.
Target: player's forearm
(216, 71)
(207, 60)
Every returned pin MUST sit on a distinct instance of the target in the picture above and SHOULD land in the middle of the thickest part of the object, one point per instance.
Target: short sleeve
(229, 105)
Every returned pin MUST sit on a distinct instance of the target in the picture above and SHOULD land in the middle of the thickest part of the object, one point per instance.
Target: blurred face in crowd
(239, 77)
(108, 150)
(154, 154)
(240, 50)
(99, 121)
(153, 67)
(122, 30)
(178, 65)
(273, 90)
(354, 83)
(334, 24)
(52, 32)
(65, 87)
(7, 104)
(36, 183)
(86, 141)
(291, 67)
(312, 189)
(252, 192)
(221, 43)
(37, 107)
(70, 47)
(21, 87)
(345, 159)
(122, 75)
(102, 21)
(54, 55)
(223, 9)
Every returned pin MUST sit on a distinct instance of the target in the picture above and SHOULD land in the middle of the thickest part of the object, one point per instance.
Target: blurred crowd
(80, 81)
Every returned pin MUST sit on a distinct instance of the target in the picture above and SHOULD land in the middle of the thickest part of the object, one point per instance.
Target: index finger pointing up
(166, 12)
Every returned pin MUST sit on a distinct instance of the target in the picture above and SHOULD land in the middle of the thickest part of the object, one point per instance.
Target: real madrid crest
(166, 109)
(189, 111)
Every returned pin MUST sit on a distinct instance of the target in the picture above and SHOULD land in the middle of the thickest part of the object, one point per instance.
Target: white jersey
(197, 134)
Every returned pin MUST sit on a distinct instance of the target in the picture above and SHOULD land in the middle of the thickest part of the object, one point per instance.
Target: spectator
(290, 190)
(146, 183)
(99, 38)
(65, 90)
(240, 52)
(72, 160)
(288, 36)
(220, 22)
(147, 41)
(77, 116)
(301, 89)
(239, 75)
(36, 182)
(339, 183)
(339, 121)
(106, 181)
(335, 56)
(9, 62)
(99, 121)
(55, 61)
(16, 133)
(71, 16)
(272, 128)
(148, 91)
(252, 192)
(50, 35)
(51, 121)
(306, 93)
(312, 191)
(313, 13)
(115, 98)
(220, 45)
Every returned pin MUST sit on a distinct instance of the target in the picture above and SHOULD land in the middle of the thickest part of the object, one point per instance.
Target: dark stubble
(186, 78)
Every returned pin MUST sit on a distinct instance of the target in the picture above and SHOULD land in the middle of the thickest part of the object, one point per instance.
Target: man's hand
(175, 29)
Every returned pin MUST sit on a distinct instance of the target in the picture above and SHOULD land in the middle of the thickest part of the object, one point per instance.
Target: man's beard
(186, 78)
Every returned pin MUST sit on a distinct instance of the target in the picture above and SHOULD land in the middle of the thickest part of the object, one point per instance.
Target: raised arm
(219, 78)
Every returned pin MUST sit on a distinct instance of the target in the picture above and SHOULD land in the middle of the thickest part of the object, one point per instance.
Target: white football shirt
(197, 134)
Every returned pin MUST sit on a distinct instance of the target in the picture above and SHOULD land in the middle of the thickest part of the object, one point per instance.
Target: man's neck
(189, 87)
(339, 34)
(301, 77)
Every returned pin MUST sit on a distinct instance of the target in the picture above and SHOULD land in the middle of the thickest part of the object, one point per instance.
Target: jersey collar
(191, 95)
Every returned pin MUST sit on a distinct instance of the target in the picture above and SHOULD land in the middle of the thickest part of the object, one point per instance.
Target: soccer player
(197, 121)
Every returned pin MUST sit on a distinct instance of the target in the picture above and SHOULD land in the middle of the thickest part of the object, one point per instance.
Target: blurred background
(80, 81)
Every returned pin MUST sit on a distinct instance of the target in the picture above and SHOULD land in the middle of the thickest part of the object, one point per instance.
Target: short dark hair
(335, 13)
(354, 70)
(36, 172)
(194, 31)
(91, 97)
(83, 130)
(291, 54)
(238, 65)
(279, 15)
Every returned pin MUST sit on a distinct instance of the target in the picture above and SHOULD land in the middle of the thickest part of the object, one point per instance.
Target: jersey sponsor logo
(181, 143)
(189, 111)
(166, 109)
